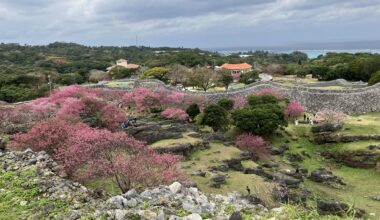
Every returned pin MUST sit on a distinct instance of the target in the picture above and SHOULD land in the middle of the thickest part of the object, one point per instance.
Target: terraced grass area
(362, 124)
(170, 142)
(237, 181)
(361, 183)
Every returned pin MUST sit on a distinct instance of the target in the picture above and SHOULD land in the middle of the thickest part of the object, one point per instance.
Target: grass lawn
(116, 84)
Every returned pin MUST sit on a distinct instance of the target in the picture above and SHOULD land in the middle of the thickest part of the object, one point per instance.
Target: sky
(189, 23)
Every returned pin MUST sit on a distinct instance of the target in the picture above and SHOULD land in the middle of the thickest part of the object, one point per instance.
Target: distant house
(237, 68)
(123, 63)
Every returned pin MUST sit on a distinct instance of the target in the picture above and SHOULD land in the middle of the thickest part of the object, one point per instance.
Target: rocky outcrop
(326, 127)
(332, 207)
(184, 149)
(75, 201)
(321, 175)
(358, 158)
(328, 137)
(152, 131)
(56, 197)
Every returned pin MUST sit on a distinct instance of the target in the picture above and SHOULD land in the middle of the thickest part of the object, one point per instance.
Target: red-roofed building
(237, 68)
(123, 63)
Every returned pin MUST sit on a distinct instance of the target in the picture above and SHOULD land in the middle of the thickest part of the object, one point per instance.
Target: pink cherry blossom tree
(175, 113)
(294, 110)
(255, 145)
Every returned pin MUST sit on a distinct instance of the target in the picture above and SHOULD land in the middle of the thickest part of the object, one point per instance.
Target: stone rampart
(352, 101)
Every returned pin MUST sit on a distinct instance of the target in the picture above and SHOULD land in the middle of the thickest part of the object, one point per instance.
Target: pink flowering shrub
(175, 113)
(84, 152)
(268, 91)
(294, 110)
(71, 107)
(255, 145)
(142, 98)
(111, 116)
(173, 98)
(239, 102)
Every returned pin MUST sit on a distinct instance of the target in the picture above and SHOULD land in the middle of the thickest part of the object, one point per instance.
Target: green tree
(193, 110)
(119, 72)
(202, 78)
(249, 77)
(374, 79)
(261, 120)
(160, 73)
(225, 103)
(256, 100)
(69, 78)
(215, 117)
(225, 78)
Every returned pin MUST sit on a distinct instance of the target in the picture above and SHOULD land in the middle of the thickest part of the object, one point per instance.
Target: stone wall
(349, 101)
(338, 82)
(352, 101)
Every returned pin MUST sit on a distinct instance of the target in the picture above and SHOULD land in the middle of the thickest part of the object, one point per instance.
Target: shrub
(375, 78)
(71, 108)
(175, 113)
(215, 117)
(84, 152)
(255, 145)
(111, 117)
(199, 119)
(225, 103)
(193, 110)
(44, 136)
(256, 100)
(239, 102)
(143, 99)
(294, 110)
(330, 117)
(70, 78)
(262, 120)
(272, 92)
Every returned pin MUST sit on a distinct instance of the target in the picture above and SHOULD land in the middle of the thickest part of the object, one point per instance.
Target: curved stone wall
(361, 100)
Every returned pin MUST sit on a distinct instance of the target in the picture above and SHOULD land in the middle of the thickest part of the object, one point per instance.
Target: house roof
(240, 66)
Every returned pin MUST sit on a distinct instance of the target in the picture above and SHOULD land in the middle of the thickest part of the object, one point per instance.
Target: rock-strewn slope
(30, 188)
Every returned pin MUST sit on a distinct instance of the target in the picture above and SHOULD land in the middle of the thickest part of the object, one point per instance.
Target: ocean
(313, 50)
(310, 53)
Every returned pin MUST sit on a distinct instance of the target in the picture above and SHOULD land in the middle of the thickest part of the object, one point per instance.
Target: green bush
(193, 110)
(215, 117)
(70, 78)
(262, 120)
(255, 100)
(225, 103)
(199, 119)
(375, 78)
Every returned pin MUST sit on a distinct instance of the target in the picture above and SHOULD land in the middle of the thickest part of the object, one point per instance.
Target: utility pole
(49, 83)
(137, 40)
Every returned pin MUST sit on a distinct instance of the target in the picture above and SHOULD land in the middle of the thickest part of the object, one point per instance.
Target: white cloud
(114, 21)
